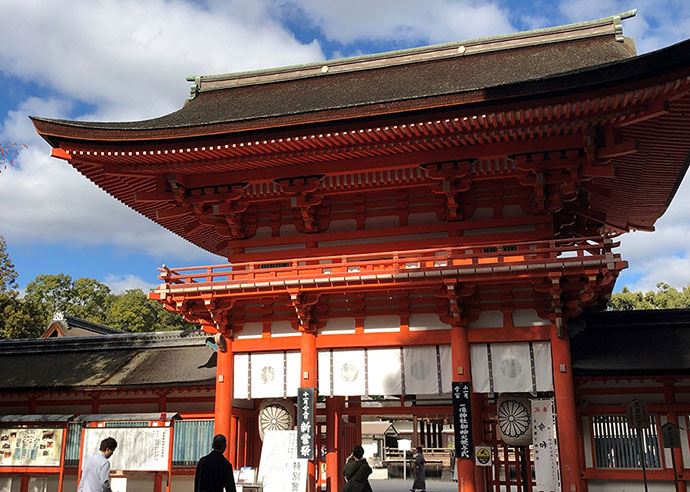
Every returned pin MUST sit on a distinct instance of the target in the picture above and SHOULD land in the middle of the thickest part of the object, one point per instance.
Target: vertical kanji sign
(305, 423)
(462, 419)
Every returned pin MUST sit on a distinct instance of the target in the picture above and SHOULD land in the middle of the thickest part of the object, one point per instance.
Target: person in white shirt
(95, 474)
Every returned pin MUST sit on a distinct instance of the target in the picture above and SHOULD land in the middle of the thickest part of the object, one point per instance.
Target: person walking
(357, 472)
(419, 484)
(214, 471)
(95, 474)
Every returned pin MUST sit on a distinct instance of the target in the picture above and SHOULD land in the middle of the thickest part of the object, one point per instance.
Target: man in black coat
(214, 471)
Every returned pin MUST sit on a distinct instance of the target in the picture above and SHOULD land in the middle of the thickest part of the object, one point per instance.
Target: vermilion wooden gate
(512, 468)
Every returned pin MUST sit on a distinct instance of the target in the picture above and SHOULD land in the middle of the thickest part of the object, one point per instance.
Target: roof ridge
(69, 319)
(112, 341)
(567, 32)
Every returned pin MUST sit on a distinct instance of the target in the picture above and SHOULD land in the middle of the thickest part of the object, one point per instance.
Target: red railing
(566, 252)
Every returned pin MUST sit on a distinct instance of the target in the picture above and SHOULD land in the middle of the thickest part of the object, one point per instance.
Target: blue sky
(127, 59)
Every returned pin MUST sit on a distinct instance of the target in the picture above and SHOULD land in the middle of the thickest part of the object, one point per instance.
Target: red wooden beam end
(59, 153)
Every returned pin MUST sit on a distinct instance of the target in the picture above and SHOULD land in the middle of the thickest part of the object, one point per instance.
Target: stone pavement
(397, 485)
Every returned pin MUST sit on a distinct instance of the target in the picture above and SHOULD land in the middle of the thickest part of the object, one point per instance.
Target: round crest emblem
(349, 372)
(514, 420)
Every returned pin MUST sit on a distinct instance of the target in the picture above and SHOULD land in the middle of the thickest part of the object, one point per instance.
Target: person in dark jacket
(214, 471)
(357, 472)
(419, 484)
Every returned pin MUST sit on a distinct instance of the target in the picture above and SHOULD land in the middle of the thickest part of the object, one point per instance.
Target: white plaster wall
(488, 319)
(339, 326)
(427, 321)
(251, 330)
(384, 222)
(283, 329)
(528, 317)
(483, 213)
(512, 211)
(424, 218)
(382, 324)
(343, 225)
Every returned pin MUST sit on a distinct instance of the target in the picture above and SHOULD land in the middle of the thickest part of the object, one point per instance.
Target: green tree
(665, 297)
(8, 275)
(133, 311)
(20, 320)
(167, 321)
(90, 300)
(49, 294)
(17, 318)
(84, 298)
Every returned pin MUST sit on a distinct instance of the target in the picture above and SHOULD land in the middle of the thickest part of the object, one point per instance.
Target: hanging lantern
(514, 420)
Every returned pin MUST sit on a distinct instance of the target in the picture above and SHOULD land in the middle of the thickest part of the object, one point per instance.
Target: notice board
(280, 470)
(30, 447)
(138, 448)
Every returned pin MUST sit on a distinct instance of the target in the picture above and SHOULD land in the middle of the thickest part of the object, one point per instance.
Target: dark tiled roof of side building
(69, 326)
(386, 78)
(645, 342)
(608, 343)
(122, 360)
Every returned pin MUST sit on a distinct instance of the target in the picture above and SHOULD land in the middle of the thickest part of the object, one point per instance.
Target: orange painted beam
(396, 339)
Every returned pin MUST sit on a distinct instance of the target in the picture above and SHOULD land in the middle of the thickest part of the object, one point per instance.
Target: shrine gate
(399, 224)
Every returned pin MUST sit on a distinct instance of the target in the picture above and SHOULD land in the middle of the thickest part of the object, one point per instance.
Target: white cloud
(674, 271)
(126, 59)
(45, 200)
(122, 283)
(432, 20)
(658, 23)
(130, 58)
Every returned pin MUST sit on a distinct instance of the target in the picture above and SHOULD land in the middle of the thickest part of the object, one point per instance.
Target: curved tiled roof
(384, 79)
(145, 359)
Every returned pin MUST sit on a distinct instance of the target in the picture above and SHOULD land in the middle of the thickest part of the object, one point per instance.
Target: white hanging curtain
(421, 370)
(383, 372)
(266, 375)
(424, 370)
(520, 367)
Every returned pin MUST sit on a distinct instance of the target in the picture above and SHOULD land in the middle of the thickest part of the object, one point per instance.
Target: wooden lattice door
(512, 468)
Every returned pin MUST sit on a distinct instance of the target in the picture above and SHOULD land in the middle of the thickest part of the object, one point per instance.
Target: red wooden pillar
(334, 413)
(478, 437)
(24, 483)
(566, 414)
(157, 482)
(672, 416)
(223, 419)
(355, 402)
(308, 380)
(460, 353)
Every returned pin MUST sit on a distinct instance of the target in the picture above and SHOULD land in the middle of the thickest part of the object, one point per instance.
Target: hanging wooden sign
(462, 419)
(306, 402)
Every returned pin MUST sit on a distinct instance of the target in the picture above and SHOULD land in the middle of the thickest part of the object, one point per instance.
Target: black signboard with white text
(306, 404)
(462, 420)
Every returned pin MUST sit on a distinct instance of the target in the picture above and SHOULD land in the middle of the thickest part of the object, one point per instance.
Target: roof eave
(638, 71)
